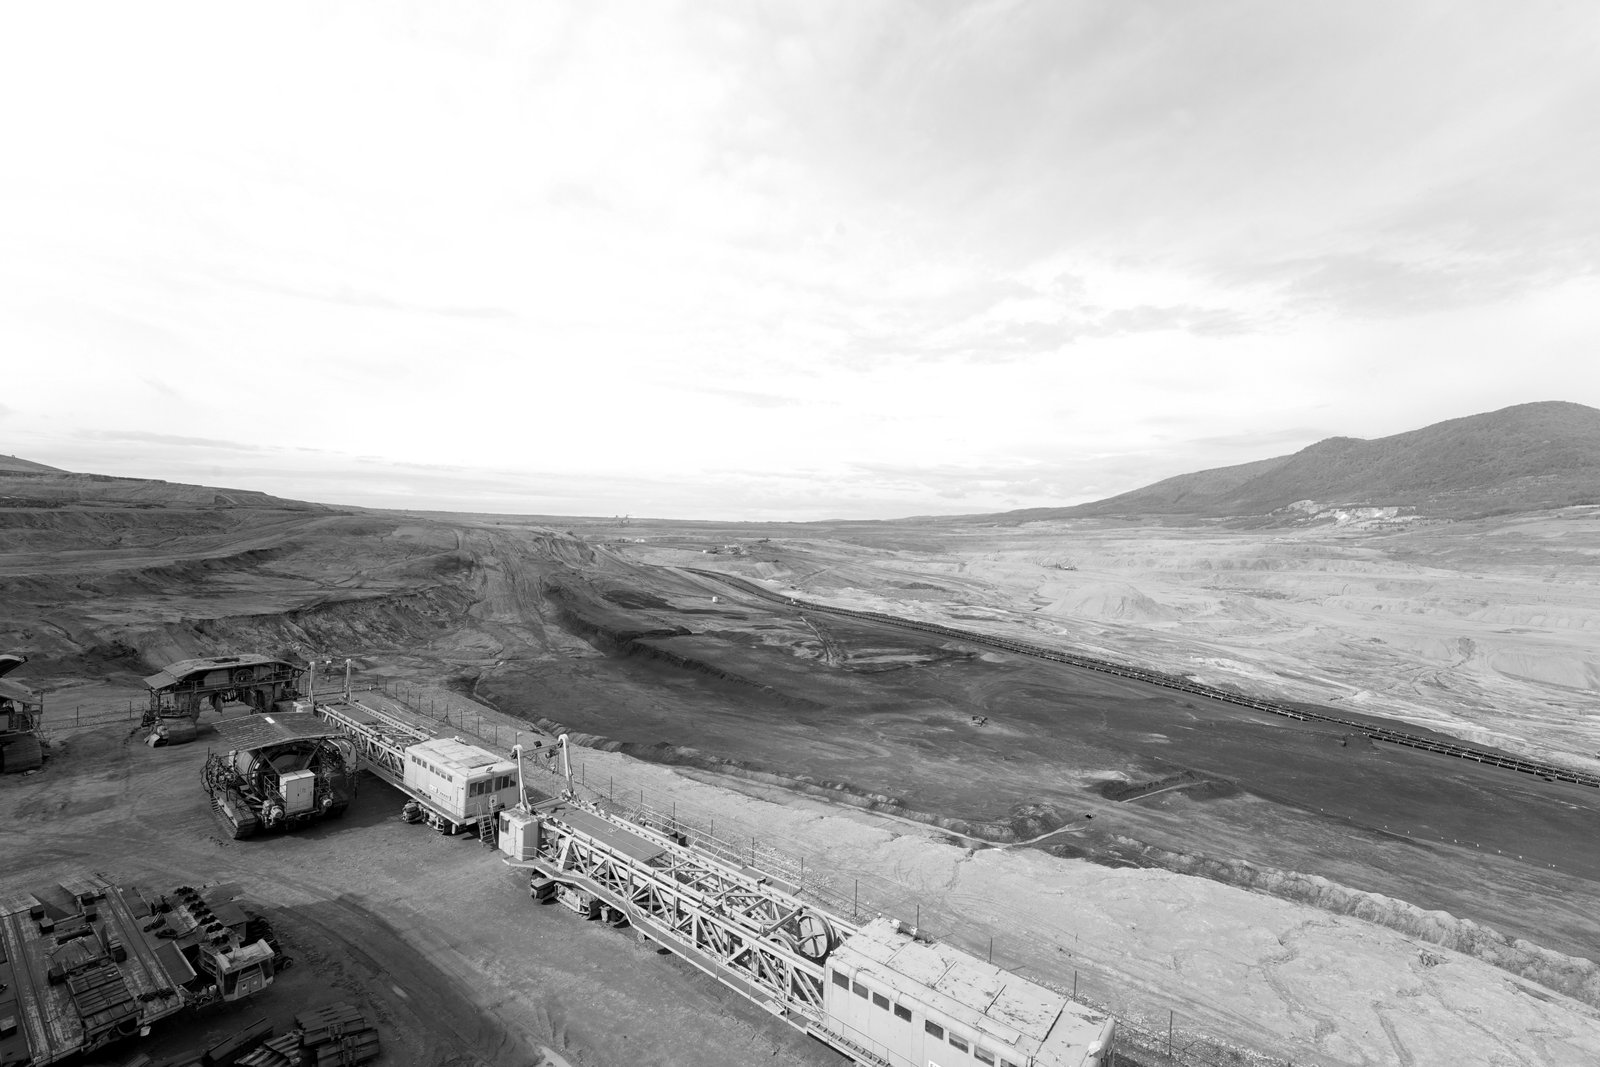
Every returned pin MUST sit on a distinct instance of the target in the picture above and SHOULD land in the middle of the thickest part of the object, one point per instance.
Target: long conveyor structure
(453, 785)
(380, 739)
(736, 925)
(878, 991)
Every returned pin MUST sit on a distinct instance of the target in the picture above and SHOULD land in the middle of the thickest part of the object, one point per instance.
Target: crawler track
(1547, 771)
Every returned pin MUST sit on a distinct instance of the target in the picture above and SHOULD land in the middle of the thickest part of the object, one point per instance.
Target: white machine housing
(460, 780)
(299, 789)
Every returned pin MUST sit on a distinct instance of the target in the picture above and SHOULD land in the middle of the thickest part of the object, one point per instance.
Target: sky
(781, 261)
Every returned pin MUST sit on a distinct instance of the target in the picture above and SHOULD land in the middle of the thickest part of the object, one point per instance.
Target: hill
(1519, 458)
(30, 485)
(13, 465)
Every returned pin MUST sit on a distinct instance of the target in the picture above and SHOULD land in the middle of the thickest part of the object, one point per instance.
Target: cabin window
(881, 1001)
(840, 980)
(859, 990)
(902, 1012)
(958, 1042)
(933, 1028)
(982, 1055)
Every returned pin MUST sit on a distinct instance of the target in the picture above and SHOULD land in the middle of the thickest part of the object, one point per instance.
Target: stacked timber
(336, 1036)
(229, 1053)
(278, 1052)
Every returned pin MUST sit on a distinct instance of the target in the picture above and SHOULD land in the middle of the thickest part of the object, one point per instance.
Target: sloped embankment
(374, 624)
(1573, 976)
(1025, 822)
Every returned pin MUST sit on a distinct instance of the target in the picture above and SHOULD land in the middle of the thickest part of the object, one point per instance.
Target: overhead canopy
(175, 673)
(249, 732)
(10, 661)
(160, 680)
(18, 692)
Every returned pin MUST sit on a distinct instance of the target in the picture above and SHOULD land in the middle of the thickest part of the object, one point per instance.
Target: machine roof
(462, 758)
(10, 690)
(173, 673)
(1004, 1006)
(249, 732)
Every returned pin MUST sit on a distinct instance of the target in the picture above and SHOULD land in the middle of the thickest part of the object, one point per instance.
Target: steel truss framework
(739, 928)
(380, 740)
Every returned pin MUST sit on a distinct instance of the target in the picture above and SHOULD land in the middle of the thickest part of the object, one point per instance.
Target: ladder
(486, 827)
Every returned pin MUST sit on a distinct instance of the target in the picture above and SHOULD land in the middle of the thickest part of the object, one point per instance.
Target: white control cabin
(461, 781)
(912, 1001)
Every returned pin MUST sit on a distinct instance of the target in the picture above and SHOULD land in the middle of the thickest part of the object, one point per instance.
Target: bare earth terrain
(1281, 887)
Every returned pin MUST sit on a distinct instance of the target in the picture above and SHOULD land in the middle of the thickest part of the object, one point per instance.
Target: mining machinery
(20, 712)
(881, 992)
(180, 691)
(280, 772)
(99, 963)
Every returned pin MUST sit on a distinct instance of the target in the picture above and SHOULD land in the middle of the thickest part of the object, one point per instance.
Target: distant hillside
(11, 464)
(1516, 459)
(36, 486)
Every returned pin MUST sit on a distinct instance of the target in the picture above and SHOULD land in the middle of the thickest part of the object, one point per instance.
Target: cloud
(747, 399)
(146, 437)
(1379, 285)
(728, 256)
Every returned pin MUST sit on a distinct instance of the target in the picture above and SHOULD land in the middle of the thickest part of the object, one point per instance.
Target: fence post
(1169, 1032)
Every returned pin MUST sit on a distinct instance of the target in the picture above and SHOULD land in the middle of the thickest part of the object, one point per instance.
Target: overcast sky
(795, 260)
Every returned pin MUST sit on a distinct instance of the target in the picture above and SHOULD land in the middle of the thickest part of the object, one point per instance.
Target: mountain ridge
(1519, 458)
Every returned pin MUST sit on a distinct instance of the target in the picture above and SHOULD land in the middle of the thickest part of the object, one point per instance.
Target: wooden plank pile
(275, 1052)
(335, 1036)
